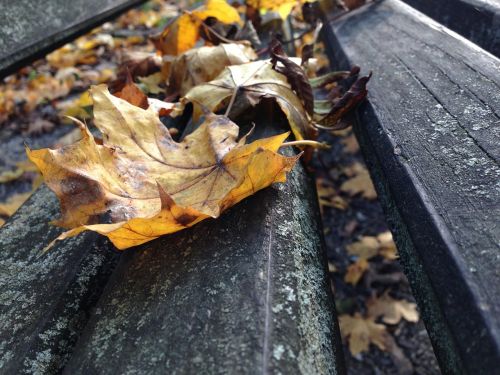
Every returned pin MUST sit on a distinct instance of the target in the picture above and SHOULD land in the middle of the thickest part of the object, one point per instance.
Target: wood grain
(45, 300)
(431, 133)
(477, 20)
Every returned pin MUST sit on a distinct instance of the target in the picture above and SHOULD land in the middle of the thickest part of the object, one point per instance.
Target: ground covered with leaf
(379, 320)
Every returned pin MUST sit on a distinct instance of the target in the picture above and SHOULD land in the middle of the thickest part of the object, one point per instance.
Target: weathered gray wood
(30, 29)
(477, 20)
(45, 300)
(246, 293)
(430, 133)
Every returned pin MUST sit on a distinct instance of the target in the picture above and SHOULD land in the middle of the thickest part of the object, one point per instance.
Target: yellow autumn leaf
(387, 246)
(182, 34)
(282, 7)
(79, 107)
(367, 247)
(392, 310)
(356, 271)
(359, 183)
(243, 86)
(360, 332)
(10, 175)
(148, 185)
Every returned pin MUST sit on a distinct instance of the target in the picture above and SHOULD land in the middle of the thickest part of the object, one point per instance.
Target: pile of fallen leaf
(134, 182)
(378, 317)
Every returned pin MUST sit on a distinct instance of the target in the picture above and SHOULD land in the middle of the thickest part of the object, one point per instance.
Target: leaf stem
(305, 142)
(231, 102)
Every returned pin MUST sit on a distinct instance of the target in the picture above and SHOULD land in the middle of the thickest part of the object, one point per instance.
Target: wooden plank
(45, 299)
(31, 29)
(247, 293)
(430, 133)
(477, 20)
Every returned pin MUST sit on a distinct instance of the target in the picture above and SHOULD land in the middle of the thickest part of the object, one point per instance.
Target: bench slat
(242, 294)
(431, 135)
(30, 29)
(45, 300)
(477, 20)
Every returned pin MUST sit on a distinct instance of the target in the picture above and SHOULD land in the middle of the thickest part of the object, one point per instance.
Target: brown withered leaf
(240, 87)
(294, 73)
(333, 77)
(132, 93)
(392, 310)
(147, 184)
(137, 64)
(203, 64)
(360, 332)
(355, 95)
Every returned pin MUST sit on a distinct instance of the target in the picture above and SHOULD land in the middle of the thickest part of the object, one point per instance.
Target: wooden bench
(31, 29)
(246, 293)
(430, 133)
(477, 20)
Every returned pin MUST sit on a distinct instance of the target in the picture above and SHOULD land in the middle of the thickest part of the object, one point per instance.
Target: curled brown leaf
(294, 73)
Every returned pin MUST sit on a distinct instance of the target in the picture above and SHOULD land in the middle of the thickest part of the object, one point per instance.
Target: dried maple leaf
(361, 332)
(370, 246)
(365, 248)
(327, 196)
(359, 183)
(355, 95)
(392, 310)
(356, 271)
(182, 34)
(203, 64)
(136, 64)
(239, 87)
(132, 93)
(387, 246)
(294, 73)
(145, 183)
